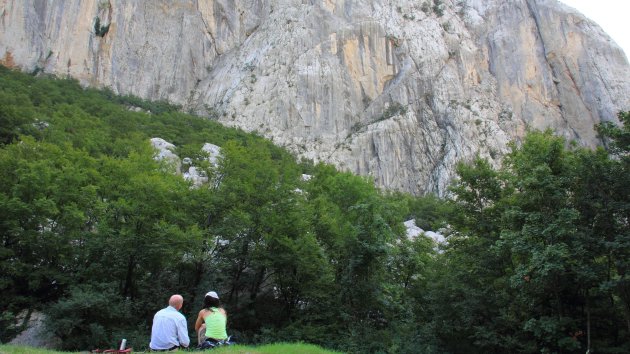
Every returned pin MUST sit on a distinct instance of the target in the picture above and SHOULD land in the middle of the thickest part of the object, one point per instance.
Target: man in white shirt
(170, 330)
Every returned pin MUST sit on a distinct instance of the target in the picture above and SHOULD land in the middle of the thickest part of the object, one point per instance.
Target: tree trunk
(588, 323)
(127, 289)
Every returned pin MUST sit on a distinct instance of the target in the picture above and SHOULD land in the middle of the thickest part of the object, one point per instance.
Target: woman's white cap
(212, 294)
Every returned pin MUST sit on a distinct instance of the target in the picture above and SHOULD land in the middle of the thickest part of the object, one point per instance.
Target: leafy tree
(45, 196)
(532, 254)
(469, 296)
(16, 115)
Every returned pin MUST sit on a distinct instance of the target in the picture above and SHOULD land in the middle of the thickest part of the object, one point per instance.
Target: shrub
(99, 30)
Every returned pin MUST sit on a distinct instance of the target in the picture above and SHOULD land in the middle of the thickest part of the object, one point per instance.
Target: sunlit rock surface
(398, 90)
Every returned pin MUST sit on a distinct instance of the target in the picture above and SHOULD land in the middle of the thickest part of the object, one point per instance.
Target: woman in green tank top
(212, 319)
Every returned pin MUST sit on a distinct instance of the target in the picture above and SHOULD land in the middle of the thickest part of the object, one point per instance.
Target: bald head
(176, 301)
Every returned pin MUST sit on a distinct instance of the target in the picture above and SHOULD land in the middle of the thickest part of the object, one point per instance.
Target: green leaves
(88, 315)
(99, 234)
(617, 137)
(539, 230)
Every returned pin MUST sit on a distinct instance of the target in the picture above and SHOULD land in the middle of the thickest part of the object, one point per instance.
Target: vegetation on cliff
(97, 234)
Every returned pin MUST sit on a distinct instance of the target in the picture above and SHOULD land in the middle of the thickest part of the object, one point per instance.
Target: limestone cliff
(400, 90)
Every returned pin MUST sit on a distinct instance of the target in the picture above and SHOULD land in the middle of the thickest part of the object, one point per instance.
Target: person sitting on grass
(212, 320)
(170, 331)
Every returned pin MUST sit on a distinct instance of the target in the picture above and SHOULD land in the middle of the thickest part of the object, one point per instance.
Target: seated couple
(170, 330)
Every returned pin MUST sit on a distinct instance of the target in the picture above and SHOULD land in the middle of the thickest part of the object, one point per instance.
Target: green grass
(15, 349)
(281, 348)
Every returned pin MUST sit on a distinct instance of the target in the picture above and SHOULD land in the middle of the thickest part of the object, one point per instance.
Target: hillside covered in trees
(97, 234)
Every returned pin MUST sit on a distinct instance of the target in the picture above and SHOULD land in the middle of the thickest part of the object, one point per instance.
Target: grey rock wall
(398, 90)
(35, 333)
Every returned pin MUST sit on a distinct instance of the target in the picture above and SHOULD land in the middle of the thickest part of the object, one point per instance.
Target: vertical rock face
(399, 90)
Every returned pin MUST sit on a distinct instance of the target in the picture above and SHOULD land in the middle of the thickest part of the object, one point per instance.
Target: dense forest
(97, 234)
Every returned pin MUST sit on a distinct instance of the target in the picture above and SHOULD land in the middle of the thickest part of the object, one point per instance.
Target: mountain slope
(400, 90)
